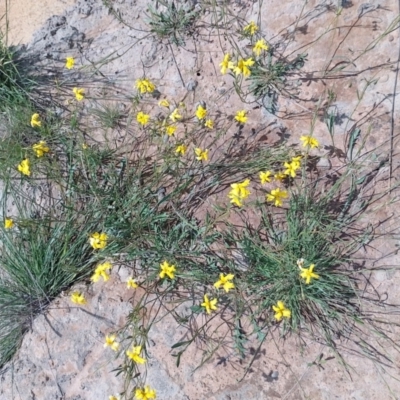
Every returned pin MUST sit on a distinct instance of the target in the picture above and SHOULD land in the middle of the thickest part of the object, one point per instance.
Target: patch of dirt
(26, 17)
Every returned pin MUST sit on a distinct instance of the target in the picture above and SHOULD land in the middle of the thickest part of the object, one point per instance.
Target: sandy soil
(26, 16)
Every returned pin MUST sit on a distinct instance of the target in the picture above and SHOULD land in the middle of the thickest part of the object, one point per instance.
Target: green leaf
(179, 344)
(178, 358)
(354, 135)
(196, 309)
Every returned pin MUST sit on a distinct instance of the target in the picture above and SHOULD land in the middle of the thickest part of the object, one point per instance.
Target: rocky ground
(62, 357)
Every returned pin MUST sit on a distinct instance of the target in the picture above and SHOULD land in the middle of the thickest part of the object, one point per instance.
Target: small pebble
(191, 85)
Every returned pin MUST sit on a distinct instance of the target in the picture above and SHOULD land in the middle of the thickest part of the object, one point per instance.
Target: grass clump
(269, 78)
(176, 22)
(108, 116)
(279, 252)
(14, 85)
(261, 74)
(42, 255)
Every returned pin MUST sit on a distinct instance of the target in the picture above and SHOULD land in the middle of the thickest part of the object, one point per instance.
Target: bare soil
(25, 17)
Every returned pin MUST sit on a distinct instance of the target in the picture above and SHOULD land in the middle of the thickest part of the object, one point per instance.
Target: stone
(191, 85)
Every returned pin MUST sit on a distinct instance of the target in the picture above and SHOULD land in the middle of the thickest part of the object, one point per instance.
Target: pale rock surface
(25, 17)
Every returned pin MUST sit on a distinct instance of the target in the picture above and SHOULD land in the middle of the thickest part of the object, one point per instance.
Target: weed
(266, 73)
(109, 116)
(41, 256)
(311, 231)
(318, 230)
(14, 85)
(175, 22)
(270, 79)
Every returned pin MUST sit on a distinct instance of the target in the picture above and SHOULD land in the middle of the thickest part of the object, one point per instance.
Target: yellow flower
(98, 240)
(296, 160)
(167, 270)
(281, 311)
(277, 195)
(209, 124)
(224, 281)
(113, 398)
(131, 283)
(8, 223)
(309, 141)
(35, 120)
(242, 67)
(225, 64)
(146, 393)
(84, 146)
(235, 198)
(40, 148)
(145, 86)
(265, 177)
(201, 112)
(142, 118)
(231, 65)
(239, 192)
(181, 149)
(69, 62)
(134, 355)
(241, 116)
(251, 28)
(111, 342)
(175, 116)
(170, 130)
(280, 176)
(78, 298)
(291, 168)
(201, 155)
(101, 271)
(307, 274)
(209, 305)
(163, 103)
(79, 93)
(259, 47)
(24, 167)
